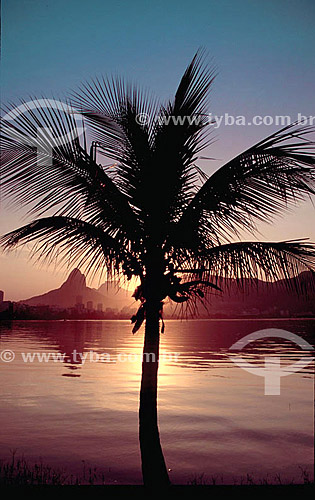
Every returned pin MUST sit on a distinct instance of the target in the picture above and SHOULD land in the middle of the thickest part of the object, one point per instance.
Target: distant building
(79, 306)
(100, 307)
(89, 305)
(6, 306)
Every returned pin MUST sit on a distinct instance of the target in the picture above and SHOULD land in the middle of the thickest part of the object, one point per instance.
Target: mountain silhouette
(74, 290)
(260, 297)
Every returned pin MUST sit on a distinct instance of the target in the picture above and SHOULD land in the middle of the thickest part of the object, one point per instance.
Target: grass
(20, 472)
(250, 480)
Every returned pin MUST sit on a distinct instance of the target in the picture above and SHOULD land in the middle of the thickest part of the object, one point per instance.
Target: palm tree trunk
(153, 464)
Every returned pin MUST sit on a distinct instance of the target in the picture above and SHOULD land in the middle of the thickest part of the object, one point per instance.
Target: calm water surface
(214, 417)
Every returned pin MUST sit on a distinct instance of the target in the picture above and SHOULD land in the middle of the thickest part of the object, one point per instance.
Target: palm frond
(246, 262)
(45, 166)
(75, 242)
(156, 160)
(181, 131)
(257, 185)
(104, 102)
(113, 109)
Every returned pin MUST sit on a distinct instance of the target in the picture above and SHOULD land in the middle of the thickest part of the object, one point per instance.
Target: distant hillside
(259, 298)
(74, 289)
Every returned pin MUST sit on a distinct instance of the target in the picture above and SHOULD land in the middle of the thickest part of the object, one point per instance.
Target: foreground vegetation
(20, 472)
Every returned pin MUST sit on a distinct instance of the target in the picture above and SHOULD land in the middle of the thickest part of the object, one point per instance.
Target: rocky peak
(76, 280)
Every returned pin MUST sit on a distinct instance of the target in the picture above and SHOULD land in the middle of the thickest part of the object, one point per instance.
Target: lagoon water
(77, 413)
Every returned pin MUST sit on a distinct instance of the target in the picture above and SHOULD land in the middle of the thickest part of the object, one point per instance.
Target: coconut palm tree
(153, 215)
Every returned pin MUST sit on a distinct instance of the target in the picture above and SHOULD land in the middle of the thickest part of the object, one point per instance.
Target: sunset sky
(263, 51)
